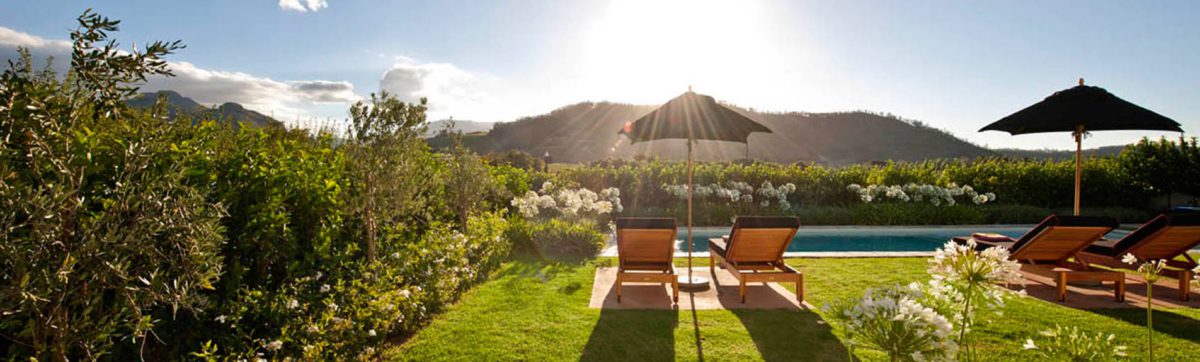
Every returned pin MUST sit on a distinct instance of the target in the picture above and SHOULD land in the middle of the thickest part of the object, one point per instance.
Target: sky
(954, 65)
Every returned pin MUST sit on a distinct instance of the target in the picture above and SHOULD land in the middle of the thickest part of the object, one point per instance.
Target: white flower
(313, 329)
(293, 304)
(274, 345)
(324, 288)
(220, 319)
(371, 333)
(1029, 344)
(333, 306)
(1129, 259)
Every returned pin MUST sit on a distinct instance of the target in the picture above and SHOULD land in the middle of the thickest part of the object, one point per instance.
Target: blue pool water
(823, 239)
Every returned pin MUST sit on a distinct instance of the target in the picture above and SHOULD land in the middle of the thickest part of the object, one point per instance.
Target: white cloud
(38, 47)
(305, 6)
(285, 99)
(452, 92)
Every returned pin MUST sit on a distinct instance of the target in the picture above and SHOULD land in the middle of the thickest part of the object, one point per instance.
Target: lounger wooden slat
(754, 252)
(645, 253)
(1052, 248)
(1166, 237)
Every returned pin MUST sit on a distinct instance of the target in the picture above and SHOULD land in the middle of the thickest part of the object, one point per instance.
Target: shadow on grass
(632, 335)
(1165, 322)
(791, 335)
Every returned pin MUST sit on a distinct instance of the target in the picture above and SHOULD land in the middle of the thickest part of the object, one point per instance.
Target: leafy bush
(558, 239)
(224, 242)
(100, 227)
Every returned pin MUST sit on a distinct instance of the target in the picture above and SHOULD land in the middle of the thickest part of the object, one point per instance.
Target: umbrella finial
(1080, 81)
(689, 88)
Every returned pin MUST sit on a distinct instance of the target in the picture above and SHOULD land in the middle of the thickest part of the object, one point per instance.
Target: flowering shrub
(1073, 344)
(330, 317)
(569, 203)
(966, 282)
(915, 322)
(913, 192)
(894, 320)
(735, 192)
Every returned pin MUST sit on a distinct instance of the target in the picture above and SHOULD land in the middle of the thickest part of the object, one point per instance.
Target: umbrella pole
(694, 283)
(689, 213)
(1078, 164)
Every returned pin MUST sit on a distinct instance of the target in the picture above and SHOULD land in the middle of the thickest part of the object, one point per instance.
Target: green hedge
(1026, 190)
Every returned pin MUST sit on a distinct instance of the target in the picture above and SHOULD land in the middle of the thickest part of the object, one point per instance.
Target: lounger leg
(618, 287)
(675, 290)
(1119, 293)
(1185, 281)
(800, 288)
(742, 289)
(712, 268)
(1062, 286)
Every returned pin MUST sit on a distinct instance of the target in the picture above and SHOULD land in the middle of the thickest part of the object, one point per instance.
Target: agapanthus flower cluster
(735, 192)
(779, 194)
(1073, 344)
(568, 203)
(1150, 270)
(894, 320)
(913, 192)
(965, 270)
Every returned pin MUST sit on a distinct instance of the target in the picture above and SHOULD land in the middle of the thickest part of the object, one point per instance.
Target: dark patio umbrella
(1082, 109)
(692, 117)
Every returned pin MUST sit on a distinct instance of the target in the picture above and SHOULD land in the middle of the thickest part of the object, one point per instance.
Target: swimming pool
(866, 238)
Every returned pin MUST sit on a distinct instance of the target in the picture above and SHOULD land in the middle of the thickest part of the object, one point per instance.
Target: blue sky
(953, 64)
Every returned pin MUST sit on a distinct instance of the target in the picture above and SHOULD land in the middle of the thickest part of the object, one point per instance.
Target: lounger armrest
(980, 244)
(720, 243)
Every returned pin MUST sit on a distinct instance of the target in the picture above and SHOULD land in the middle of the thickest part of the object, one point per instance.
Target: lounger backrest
(1058, 238)
(1164, 237)
(645, 239)
(760, 238)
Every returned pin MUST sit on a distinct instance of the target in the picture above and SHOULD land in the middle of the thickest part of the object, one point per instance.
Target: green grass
(538, 311)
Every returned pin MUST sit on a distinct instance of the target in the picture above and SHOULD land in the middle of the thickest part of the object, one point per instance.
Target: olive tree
(99, 229)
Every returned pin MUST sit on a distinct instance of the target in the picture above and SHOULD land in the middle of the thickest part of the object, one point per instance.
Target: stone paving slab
(723, 295)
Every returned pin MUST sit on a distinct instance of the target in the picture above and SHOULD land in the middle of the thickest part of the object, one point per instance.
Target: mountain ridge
(587, 131)
(178, 104)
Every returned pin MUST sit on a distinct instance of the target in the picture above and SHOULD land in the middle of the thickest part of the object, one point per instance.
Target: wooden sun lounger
(645, 253)
(1052, 248)
(1167, 237)
(754, 252)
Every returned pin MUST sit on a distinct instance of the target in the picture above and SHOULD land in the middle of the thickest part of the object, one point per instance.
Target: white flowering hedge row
(912, 192)
(568, 203)
(736, 192)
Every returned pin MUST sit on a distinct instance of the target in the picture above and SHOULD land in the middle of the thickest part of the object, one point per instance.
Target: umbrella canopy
(692, 116)
(1082, 109)
(1091, 107)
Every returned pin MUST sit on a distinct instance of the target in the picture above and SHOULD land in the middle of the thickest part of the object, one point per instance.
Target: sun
(643, 51)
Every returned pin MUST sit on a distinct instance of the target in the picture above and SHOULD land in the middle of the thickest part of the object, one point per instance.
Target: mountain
(587, 131)
(463, 126)
(177, 105)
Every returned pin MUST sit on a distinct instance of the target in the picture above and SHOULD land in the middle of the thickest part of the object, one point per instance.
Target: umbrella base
(693, 283)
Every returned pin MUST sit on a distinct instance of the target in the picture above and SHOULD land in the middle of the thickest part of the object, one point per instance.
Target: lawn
(537, 311)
